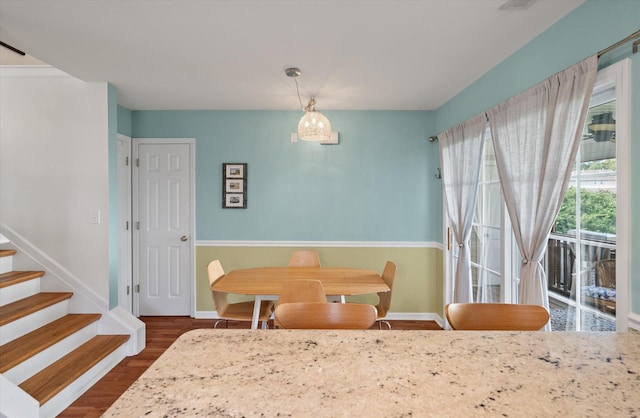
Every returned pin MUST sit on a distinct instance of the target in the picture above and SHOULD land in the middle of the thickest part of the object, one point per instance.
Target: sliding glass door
(588, 249)
(582, 254)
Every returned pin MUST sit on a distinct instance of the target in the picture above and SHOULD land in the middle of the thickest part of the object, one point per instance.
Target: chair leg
(226, 323)
(380, 321)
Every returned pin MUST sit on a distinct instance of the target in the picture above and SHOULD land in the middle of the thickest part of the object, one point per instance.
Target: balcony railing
(596, 268)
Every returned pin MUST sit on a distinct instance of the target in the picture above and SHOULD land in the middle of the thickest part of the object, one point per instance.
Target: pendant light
(313, 126)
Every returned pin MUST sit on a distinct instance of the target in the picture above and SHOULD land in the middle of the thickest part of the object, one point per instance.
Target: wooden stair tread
(21, 349)
(7, 253)
(15, 277)
(47, 383)
(29, 305)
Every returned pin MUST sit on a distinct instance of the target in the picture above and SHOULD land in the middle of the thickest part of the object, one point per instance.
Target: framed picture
(234, 185)
(234, 200)
(234, 171)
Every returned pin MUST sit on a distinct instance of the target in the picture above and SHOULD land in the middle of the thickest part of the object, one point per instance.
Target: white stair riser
(15, 402)
(19, 291)
(22, 326)
(6, 264)
(33, 365)
(67, 396)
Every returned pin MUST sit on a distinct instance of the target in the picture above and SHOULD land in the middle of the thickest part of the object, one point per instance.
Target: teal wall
(590, 28)
(124, 121)
(377, 184)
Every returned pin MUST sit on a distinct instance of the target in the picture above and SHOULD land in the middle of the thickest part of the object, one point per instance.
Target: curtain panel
(461, 158)
(536, 135)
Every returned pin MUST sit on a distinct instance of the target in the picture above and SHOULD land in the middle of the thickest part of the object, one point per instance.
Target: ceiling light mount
(293, 72)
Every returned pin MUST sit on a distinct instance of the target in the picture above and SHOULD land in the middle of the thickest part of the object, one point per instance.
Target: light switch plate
(94, 216)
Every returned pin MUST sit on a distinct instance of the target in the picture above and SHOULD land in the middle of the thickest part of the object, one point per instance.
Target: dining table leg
(257, 306)
(256, 312)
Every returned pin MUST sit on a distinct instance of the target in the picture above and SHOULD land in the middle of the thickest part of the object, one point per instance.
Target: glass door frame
(617, 74)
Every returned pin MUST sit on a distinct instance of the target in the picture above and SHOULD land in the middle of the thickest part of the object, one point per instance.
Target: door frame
(135, 217)
(125, 259)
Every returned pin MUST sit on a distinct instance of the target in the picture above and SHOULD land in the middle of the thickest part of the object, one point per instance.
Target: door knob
(184, 238)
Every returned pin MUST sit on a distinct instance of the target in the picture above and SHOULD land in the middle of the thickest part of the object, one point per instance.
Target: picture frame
(234, 200)
(234, 185)
(234, 171)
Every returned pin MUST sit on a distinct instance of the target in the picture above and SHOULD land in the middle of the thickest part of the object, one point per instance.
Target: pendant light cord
(298, 91)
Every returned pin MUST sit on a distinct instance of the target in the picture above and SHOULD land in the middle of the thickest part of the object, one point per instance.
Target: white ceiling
(225, 54)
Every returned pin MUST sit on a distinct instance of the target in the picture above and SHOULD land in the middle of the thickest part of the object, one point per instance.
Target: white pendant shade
(314, 126)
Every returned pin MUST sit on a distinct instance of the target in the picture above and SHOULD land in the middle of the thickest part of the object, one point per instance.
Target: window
(587, 255)
(491, 251)
(582, 254)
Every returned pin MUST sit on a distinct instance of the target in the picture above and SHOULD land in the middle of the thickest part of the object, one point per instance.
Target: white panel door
(164, 212)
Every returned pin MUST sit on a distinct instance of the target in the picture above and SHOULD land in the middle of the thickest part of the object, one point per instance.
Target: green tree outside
(598, 211)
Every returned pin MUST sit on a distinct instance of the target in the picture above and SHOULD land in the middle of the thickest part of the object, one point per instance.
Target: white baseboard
(634, 321)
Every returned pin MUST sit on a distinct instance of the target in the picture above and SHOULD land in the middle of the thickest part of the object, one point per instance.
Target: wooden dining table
(265, 282)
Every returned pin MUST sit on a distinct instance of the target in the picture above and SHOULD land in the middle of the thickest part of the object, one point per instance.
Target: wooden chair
(241, 311)
(384, 303)
(315, 315)
(301, 291)
(496, 316)
(606, 270)
(304, 259)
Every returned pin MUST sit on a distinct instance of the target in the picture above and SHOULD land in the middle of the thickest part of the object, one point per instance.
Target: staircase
(48, 356)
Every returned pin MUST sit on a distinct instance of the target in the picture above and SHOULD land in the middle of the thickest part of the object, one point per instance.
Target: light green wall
(377, 184)
(124, 121)
(417, 287)
(590, 28)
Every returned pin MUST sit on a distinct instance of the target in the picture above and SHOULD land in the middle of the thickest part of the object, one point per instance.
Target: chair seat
(241, 310)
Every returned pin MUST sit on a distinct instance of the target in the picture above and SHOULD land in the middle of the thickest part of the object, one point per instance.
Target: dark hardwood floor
(161, 332)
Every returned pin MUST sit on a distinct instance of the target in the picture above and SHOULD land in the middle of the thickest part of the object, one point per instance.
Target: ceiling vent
(517, 4)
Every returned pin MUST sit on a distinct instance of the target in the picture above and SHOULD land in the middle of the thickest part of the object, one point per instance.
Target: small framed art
(234, 171)
(234, 185)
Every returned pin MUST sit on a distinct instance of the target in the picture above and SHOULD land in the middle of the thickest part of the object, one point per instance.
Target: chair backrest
(215, 271)
(302, 291)
(496, 316)
(606, 270)
(388, 276)
(304, 259)
(315, 315)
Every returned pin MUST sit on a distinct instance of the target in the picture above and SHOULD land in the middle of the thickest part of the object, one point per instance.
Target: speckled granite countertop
(243, 373)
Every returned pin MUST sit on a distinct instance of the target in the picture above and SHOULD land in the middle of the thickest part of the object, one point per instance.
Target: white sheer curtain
(461, 156)
(536, 136)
